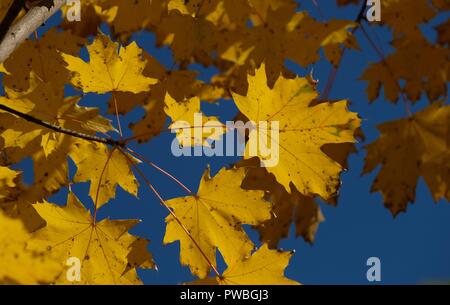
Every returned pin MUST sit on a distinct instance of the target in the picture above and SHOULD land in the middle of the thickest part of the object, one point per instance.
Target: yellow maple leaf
(189, 123)
(103, 248)
(110, 69)
(410, 148)
(105, 169)
(21, 266)
(179, 84)
(303, 130)
(214, 218)
(263, 267)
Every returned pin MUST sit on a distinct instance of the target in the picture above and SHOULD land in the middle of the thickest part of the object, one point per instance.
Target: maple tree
(248, 42)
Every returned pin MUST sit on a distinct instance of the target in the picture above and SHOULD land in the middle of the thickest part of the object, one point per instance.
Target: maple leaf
(179, 84)
(263, 267)
(278, 31)
(429, 75)
(21, 266)
(410, 148)
(197, 43)
(105, 169)
(42, 56)
(313, 35)
(189, 129)
(403, 16)
(103, 248)
(303, 130)
(135, 16)
(214, 218)
(109, 69)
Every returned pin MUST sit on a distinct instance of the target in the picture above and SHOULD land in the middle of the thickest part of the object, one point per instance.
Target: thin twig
(142, 158)
(116, 109)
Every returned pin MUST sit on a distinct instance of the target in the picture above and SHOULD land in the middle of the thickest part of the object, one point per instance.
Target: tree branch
(11, 15)
(60, 129)
(23, 28)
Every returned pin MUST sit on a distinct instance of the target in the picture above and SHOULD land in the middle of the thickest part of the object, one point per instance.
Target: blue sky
(413, 248)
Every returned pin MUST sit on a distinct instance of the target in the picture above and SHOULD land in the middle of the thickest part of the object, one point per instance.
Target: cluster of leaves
(248, 41)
